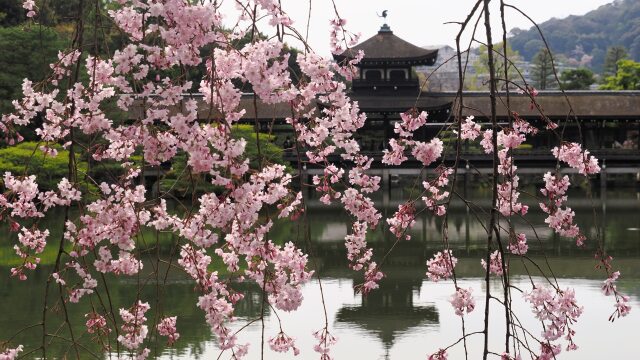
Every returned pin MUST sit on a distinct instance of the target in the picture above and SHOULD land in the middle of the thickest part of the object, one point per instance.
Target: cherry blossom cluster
(22, 196)
(30, 240)
(115, 219)
(371, 278)
(360, 206)
(30, 6)
(549, 351)
(434, 191)
(112, 223)
(507, 356)
(519, 245)
(86, 287)
(360, 257)
(507, 140)
(560, 217)
(402, 220)
(425, 152)
(558, 311)
(622, 301)
(63, 67)
(339, 38)
(133, 330)
(332, 175)
(440, 267)
(283, 343)
(357, 252)
(439, 355)
(495, 263)
(469, 130)
(574, 156)
(24, 200)
(508, 195)
(167, 327)
(97, 324)
(11, 354)
(462, 301)
(325, 341)
(331, 132)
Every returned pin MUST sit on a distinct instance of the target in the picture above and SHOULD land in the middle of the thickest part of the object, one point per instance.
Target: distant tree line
(584, 40)
(619, 73)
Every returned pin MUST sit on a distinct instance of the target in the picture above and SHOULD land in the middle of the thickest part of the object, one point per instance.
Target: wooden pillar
(603, 198)
(467, 217)
(603, 180)
(306, 179)
(467, 179)
(386, 188)
(424, 226)
(386, 131)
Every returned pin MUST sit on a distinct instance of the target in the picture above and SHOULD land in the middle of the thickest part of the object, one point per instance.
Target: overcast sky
(420, 22)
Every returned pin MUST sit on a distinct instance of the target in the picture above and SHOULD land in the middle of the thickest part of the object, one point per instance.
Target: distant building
(443, 74)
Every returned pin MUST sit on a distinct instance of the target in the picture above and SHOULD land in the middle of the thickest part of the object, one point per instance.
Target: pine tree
(542, 71)
(614, 55)
(577, 79)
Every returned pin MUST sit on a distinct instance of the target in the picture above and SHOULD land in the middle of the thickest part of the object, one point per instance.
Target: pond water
(407, 318)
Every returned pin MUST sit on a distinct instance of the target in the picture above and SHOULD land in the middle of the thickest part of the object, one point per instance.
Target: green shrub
(27, 157)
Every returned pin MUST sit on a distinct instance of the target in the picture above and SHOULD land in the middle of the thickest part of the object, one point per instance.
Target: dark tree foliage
(614, 54)
(26, 53)
(50, 13)
(612, 24)
(578, 79)
(11, 13)
(542, 70)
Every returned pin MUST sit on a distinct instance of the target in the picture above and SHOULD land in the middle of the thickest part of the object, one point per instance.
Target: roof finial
(384, 28)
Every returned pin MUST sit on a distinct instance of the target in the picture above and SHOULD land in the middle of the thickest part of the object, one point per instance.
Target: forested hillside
(584, 40)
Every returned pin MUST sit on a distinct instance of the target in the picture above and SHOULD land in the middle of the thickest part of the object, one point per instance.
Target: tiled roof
(385, 47)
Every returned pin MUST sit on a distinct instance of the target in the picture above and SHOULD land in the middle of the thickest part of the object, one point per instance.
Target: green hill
(584, 40)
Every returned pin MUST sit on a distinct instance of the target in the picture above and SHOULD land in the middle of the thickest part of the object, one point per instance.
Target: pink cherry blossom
(434, 192)
(11, 354)
(429, 152)
(558, 311)
(29, 5)
(560, 218)
(439, 355)
(396, 155)
(495, 263)
(519, 246)
(325, 341)
(133, 330)
(507, 356)
(402, 220)
(440, 267)
(462, 301)
(486, 142)
(167, 327)
(574, 156)
(469, 129)
(283, 343)
(96, 324)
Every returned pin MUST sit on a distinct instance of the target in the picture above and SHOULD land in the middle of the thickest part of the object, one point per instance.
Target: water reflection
(389, 311)
(405, 319)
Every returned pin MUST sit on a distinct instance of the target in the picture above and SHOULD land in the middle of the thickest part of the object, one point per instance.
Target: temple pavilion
(388, 85)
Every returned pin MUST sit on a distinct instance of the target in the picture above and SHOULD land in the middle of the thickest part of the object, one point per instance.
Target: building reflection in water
(390, 311)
